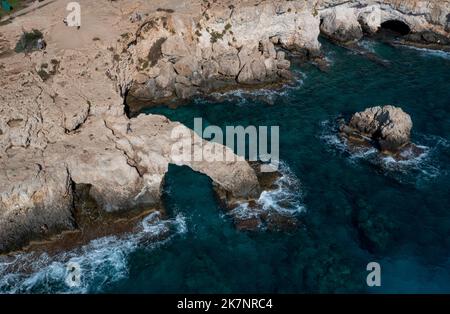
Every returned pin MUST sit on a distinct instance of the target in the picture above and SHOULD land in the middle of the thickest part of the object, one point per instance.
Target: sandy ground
(103, 19)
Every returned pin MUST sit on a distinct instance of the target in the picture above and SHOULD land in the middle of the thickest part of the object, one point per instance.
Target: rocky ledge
(64, 133)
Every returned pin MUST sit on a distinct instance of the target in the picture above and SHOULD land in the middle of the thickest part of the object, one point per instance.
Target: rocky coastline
(69, 122)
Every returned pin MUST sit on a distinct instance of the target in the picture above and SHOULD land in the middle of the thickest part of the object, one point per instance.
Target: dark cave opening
(395, 27)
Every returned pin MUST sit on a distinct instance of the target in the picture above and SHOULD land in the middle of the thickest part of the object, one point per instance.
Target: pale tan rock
(166, 76)
(186, 66)
(184, 91)
(268, 49)
(271, 66)
(341, 24)
(183, 80)
(228, 65)
(35, 198)
(284, 64)
(246, 74)
(281, 55)
(174, 46)
(209, 69)
(388, 125)
(141, 78)
(153, 72)
(259, 69)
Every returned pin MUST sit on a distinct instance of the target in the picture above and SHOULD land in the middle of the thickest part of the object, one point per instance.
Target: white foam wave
(100, 262)
(430, 52)
(368, 45)
(285, 199)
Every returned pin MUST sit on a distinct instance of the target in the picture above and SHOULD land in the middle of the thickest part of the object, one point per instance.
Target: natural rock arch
(395, 26)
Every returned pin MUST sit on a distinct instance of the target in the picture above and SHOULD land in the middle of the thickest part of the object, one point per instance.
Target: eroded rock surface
(390, 127)
(224, 43)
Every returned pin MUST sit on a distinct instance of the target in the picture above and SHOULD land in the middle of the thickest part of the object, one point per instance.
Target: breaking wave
(286, 199)
(87, 269)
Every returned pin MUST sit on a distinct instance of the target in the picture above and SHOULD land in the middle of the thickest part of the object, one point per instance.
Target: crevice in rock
(126, 107)
(130, 161)
(155, 52)
(84, 207)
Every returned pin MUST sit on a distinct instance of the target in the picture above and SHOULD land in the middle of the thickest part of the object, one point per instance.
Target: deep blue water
(357, 210)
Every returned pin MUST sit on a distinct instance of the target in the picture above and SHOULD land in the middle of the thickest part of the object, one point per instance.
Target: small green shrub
(165, 10)
(30, 41)
(215, 36)
(43, 74)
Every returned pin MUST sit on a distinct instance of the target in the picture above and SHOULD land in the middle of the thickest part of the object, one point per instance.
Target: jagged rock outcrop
(390, 127)
(227, 42)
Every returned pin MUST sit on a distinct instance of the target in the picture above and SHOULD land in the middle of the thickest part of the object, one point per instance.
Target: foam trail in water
(430, 52)
(100, 262)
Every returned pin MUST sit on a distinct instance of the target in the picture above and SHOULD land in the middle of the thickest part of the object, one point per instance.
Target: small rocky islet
(71, 100)
(386, 128)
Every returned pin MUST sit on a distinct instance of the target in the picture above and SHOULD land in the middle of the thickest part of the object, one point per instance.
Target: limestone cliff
(62, 124)
(346, 20)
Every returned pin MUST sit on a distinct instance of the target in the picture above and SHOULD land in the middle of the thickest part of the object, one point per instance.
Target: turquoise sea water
(355, 209)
